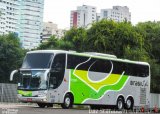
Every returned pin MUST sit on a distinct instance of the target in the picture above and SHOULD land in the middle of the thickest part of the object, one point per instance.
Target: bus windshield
(37, 60)
(32, 80)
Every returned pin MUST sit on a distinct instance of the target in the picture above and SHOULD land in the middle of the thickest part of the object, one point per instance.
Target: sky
(58, 11)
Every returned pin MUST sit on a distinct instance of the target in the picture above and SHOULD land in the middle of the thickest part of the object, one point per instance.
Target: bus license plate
(29, 99)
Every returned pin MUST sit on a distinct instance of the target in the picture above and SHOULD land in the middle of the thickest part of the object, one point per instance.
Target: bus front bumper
(33, 99)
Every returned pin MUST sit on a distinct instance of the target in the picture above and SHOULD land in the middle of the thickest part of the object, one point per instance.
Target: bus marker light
(65, 80)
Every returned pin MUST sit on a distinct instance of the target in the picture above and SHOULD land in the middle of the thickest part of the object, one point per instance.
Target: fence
(8, 93)
(155, 100)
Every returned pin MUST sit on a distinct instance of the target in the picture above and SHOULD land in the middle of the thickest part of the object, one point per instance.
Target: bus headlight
(42, 95)
(44, 99)
(19, 95)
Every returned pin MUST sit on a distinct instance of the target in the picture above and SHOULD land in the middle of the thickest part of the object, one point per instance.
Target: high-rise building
(9, 16)
(23, 17)
(83, 16)
(118, 14)
(31, 22)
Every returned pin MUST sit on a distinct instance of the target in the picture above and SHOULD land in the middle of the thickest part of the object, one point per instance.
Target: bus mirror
(12, 74)
(46, 74)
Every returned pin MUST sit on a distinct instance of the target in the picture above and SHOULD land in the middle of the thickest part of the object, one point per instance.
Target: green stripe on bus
(25, 93)
(83, 92)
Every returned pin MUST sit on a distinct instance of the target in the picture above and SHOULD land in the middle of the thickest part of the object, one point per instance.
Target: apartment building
(83, 17)
(24, 18)
(117, 13)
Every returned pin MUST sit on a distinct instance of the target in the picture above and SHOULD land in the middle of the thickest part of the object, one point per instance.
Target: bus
(68, 78)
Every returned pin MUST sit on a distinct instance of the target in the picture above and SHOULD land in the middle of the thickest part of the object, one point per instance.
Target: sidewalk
(15, 105)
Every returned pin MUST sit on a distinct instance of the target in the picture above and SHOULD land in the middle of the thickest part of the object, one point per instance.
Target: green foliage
(111, 37)
(100, 37)
(155, 76)
(76, 36)
(51, 44)
(151, 34)
(11, 56)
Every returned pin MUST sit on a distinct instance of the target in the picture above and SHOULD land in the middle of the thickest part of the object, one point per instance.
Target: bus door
(56, 76)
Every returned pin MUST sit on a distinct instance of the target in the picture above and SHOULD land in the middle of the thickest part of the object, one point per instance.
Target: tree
(11, 56)
(151, 34)
(72, 40)
(76, 37)
(120, 39)
(50, 44)
(99, 36)
(105, 36)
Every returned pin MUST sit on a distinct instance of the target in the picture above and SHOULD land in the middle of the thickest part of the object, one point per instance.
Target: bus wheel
(41, 105)
(129, 103)
(68, 102)
(49, 105)
(120, 103)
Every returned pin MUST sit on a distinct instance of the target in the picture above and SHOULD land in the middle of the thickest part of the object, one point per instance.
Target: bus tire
(129, 103)
(41, 105)
(68, 102)
(120, 103)
(49, 105)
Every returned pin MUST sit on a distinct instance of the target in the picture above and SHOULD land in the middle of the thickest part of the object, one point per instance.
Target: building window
(105, 14)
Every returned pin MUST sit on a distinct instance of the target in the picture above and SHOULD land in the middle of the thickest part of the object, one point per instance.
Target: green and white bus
(68, 78)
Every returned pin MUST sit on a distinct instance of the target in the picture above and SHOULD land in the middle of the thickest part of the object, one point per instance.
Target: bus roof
(90, 54)
(47, 51)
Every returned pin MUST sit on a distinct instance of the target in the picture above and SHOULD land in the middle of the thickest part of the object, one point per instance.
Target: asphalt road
(27, 109)
(33, 109)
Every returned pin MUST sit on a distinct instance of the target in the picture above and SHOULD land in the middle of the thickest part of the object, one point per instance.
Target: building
(31, 22)
(9, 16)
(49, 29)
(83, 16)
(98, 16)
(23, 17)
(118, 14)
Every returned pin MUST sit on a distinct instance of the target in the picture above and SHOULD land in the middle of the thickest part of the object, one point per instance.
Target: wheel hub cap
(128, 103)
(120, 105)
(67, 102)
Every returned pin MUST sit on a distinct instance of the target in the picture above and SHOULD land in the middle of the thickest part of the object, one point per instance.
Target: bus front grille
(142, 95)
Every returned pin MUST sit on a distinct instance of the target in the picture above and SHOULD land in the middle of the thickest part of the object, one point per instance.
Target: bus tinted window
(37, 60)
(137, 70)
(57, 71)
(74, 60)
(118, 67)
(100, 65)
(105, 66)
(93, 64)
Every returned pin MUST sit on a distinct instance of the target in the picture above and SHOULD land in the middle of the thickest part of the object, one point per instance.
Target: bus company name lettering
(138, 83)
